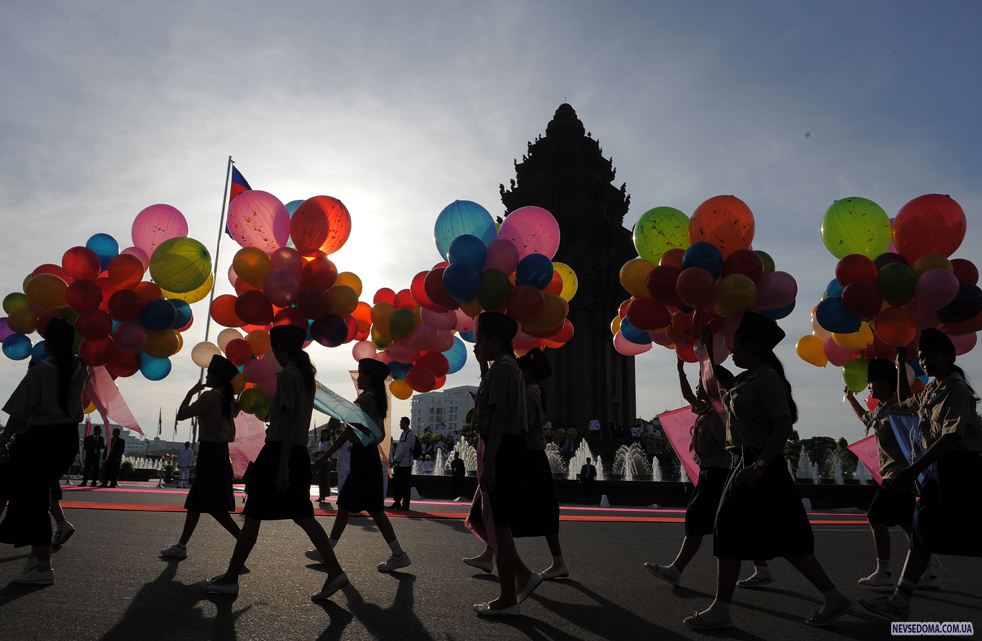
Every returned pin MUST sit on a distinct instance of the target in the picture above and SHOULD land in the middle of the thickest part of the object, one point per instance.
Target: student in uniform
(114, 458)
(760, 514)
(211, 491)
(323, 466)
(49, 401)
(363, 489)
(502, 424)
(540, 505)
(279, 480)
(92, 446)
(891, 505)
(948, 517)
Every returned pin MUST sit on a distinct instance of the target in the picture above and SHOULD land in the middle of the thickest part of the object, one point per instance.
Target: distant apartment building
(448, 407)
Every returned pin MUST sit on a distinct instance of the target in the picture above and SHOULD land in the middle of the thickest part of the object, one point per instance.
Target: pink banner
(250, 435)
(869, 456)
(102, 391)
(677, 426)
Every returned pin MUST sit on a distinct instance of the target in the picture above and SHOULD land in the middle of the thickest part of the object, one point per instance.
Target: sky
(400, 108)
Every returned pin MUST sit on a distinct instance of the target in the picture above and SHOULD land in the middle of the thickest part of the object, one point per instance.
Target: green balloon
(856, 226)
(493, 288)
(401, 323)
(855, 375)
(180, 265)
(14, 301)
(767, 260)
(896, 283)
(659, 230)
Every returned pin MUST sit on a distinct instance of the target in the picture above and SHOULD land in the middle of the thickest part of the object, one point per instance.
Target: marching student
(948, 517)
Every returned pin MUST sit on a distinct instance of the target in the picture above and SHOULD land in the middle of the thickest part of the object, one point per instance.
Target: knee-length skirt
(948, 517)
(264, 501)
(700, 513)
(211, 490)
(539, 511)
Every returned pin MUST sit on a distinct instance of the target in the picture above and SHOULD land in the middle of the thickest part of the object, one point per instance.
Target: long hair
(302, 361)
(377, 389)
(958, 369)
(771, 359)
(58, 343)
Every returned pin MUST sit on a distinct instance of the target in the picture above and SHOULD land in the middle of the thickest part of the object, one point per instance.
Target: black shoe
(405, 507)
(395, 506)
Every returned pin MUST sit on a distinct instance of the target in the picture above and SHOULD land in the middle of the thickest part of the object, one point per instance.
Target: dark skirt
(362, 490)
(509, 484)
(211, 490)
(763, 520)
(700, 513)
(539, 515)
(892, 506)
(264, 501)
(38, 458)
(948, 518)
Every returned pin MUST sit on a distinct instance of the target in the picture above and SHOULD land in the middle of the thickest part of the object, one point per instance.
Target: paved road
(111, 586)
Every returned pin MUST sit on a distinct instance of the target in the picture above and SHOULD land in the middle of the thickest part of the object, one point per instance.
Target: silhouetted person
(93, 445)
(184, 461)
(588, 473)
(402, 466)
(457, 472)
(114, 456)
(323, 467)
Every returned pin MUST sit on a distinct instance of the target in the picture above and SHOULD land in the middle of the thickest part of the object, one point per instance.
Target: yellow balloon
(252, 265)
(163, 343)
(47, 290)
(195, 295)
(89, 408)
(811, 349)
(344, 299)
(615, 325)
(570, 281)
(634, 276)
(400, 389)
(351, 280)
(856, 340)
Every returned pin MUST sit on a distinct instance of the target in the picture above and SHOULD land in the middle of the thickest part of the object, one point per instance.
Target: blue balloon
(182, 313)
(456, 355)
(834, 317)
(833, 289)
(39, 352)
(153, 368)
(17, 347)
(461, 282)
(399, 370)
(157, 315)
(634, 334)
(467, 336)
(463, 217)
(292, 206)
(535, 270)
(704, 255)
(104, 246)
(779, 313)
(468, 250)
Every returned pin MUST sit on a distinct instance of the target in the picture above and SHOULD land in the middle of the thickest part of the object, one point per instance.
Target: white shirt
(594, 425)
(185, 457)
(403, 456)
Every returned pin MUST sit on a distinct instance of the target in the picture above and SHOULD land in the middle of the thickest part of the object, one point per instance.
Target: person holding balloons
(45, 410)
(760, 513)
(211, 491)
(891, 505)
(363, 488)
(279, 479)
(948, 517)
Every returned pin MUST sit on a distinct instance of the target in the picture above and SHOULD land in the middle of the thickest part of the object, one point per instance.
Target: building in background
(448, 407)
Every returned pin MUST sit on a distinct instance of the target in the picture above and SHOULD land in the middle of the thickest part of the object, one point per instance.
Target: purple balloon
(502, 256)
(776, 290)
(258, 219)
(935, 288)
(5, 331)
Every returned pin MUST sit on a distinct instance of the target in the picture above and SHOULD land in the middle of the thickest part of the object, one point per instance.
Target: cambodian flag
(239, 184)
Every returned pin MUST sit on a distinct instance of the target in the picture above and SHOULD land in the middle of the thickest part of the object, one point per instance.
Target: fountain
(582, 453)
(838, 474)
(683, 477)
(556, 461)
(862, 475)
(467, 454)
(815, 475)
(630, 463)
(439, 464)
(804, 465)
(417, 467)
(655, 469)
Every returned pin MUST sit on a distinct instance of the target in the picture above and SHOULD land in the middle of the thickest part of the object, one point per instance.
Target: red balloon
(314, 303)
(681, 330)
(687, 353)
(405, 300)
(254, 308)
(125, 270)
(863, 299)
(647, 314)
(624, 306)
(238, 351)
(555, 286)
(319, 273)
(287, 258)
(435, 362)
(148, 292)
(242, 286)
(661, 284)
(929, 224)
(384, 295)
(724, 221)
(433, 285)
(965, 271)
(130, 337)
(672, 258)
(84, 295)
(290, 316)
(524, 302)
(48, 268)
(122, 363)
(93, 324)
(320, 224)
(418, 289)
(125, 305)
(223, 311)
(108, 290)
(281, 287)
(746, 262)
(421, 379)
(894, 326)
(696, 286)
(854, 268)
(96, 352)
(81, 263)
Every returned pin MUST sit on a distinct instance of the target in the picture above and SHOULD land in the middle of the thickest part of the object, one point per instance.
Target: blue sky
(400, 108)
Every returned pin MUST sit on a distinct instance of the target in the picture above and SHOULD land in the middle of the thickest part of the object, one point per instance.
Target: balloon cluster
(123, 322)
(892, 280)
(693, 275)
(282, 275)
(509, 270)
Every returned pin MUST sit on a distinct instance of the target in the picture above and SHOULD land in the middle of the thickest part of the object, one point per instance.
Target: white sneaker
(556, 572)
(756, 580)
(667, 573)
(35, 576)
(394, 563)
(929, 582)
(62, 534)
(176, 551)
(877, 580)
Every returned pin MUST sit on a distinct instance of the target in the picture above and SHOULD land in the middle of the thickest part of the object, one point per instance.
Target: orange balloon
(724, 221)
(252, 265)
(894, 326)
(400, 389)
(162, 344)
(258, 340)
(320, 224)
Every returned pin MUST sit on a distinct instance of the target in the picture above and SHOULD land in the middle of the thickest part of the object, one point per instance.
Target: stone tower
(565, 172)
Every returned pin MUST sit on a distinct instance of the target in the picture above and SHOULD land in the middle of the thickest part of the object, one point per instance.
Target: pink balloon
(258, 219)
(444, 341)
(438, 320)
(837, 355)
(935, 289)
(465, 323)
(502, 255)
(363, 349)
(964, 342)
(139, 254)
(524, 341)
(776, 290)
(625, 347)
(401, 351)
(281, 286)
(532, 230)
(130, 337)
(155, 224)
(232, 276)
